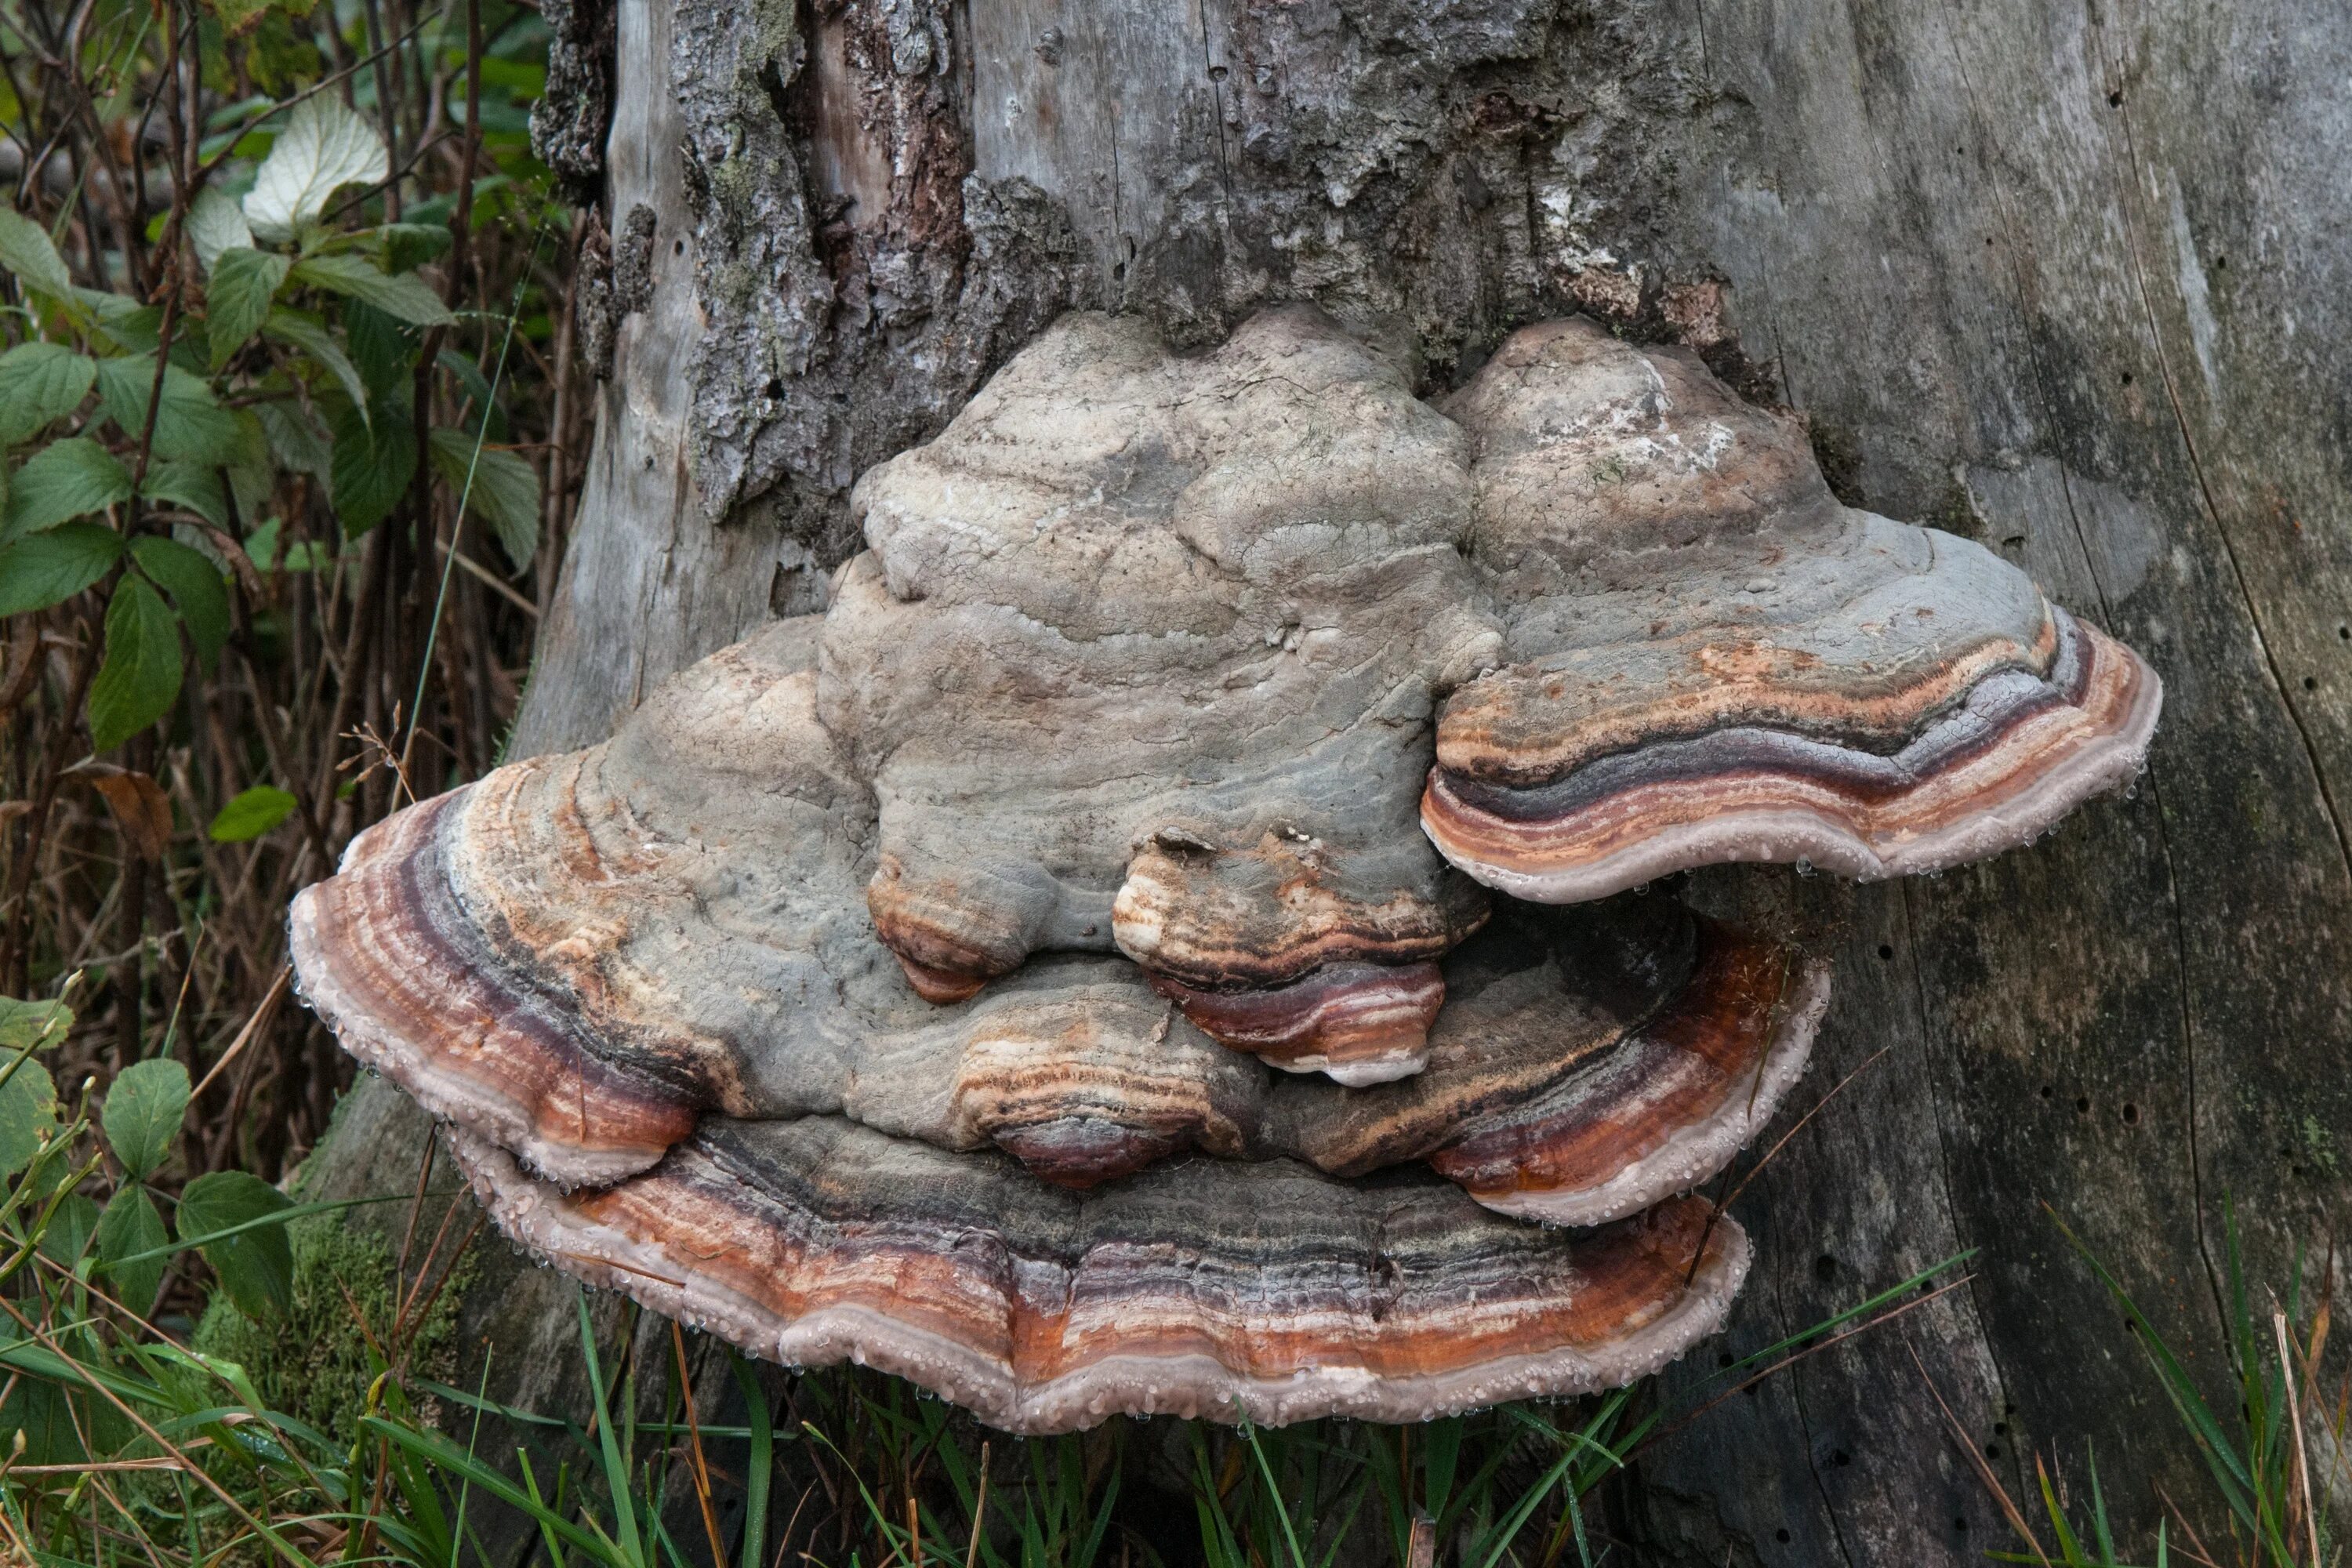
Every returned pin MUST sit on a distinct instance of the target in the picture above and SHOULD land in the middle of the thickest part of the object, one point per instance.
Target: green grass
(308, 1417)
(311, 1419)
(2273, 1493)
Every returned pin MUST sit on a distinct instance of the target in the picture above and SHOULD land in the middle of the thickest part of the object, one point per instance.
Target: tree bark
(2072, 280)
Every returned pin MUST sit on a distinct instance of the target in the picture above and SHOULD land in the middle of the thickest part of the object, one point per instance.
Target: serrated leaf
(188, 422)
(216, 225)
(63, 480)
(38, 382)
(26, 250)
(251, 814)
(142, 1114)
(256, 1266)
(28, 1109)
(189, 576)
(129, 325)
(324, 147)
(504, 492)
(308, 333)
(403, 296)
(51, 567)
(129, 1228)
(373, 462)
(190, 485)
(140, 679)
(236, 300)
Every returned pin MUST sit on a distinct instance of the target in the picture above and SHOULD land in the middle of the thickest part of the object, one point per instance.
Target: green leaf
(236, 300)
(188, 422)
(142, 1114)
(401, 295)
(256, 1266)
(51, 568)
(324, 147)
(238, 17)
(294, 440)
(38, 382)
(215, 226)
(251, 814)
(195, 587)
(267, 549)
(28, 1115)
(261, 544)
(70, 1226)
(35, 1025)
(51, 1425)
(307, 332)
(407, 246)
(26, 250)
(129, 1227)
(189, 485)
(119, 320)
(384, 347)
(477, 390)
(504, 494)
(252, 477)
(141, 678)
(373, 463)
(64, 479)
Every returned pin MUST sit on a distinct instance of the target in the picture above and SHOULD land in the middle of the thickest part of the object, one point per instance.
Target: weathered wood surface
(2072, 278)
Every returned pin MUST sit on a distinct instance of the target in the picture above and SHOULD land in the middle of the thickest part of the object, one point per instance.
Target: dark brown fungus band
(1265, 1292)
(1708, 659)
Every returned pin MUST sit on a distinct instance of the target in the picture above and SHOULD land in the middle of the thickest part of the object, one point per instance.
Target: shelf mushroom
(1707, 657)
(1262, 1292)
(1060, 972)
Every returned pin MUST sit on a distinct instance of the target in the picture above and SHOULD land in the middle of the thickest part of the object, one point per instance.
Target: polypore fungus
(910, 983)
(1708, 659)
(1259, 1291)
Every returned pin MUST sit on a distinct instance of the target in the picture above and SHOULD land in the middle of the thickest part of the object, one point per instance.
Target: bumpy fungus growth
(910, 983)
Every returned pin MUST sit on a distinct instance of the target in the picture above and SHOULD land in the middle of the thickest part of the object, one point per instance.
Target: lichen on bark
(568, 123)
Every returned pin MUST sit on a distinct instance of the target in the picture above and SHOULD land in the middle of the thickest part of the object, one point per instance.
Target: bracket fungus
(1064, 972)
(1708, 659)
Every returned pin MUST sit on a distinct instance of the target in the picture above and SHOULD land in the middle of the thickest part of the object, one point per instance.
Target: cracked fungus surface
(1172, 935)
